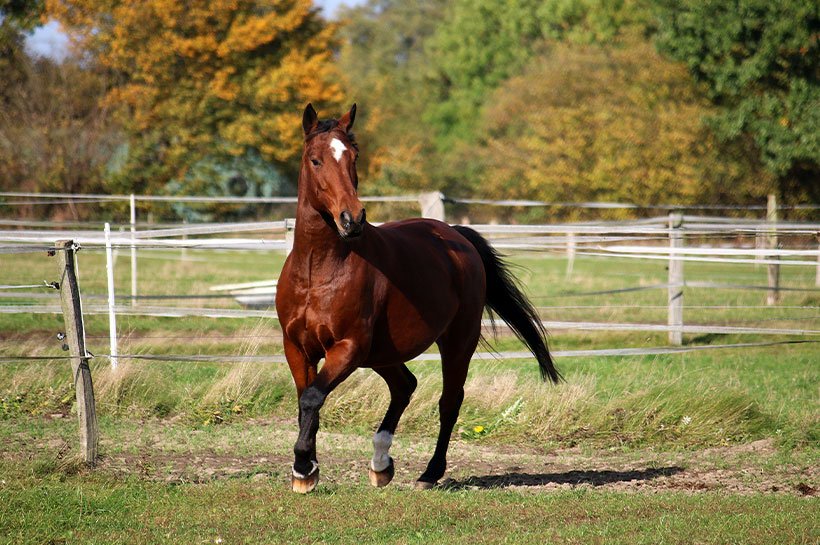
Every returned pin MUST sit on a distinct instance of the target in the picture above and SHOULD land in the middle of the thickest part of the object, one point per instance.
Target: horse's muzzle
(350, 227)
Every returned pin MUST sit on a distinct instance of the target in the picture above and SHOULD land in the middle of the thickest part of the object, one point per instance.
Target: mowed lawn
(652, 410)
(97, 509)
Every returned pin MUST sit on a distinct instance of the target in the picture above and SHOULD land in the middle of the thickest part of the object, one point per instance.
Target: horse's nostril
(346, 219)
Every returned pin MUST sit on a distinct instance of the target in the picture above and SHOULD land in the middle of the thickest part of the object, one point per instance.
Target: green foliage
(481, 43)
(592, 21)
(759, 62)
(478, 45)
(21, 14)
(384, 58)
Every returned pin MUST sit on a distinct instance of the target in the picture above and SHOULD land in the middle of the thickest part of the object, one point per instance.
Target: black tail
(506, 299)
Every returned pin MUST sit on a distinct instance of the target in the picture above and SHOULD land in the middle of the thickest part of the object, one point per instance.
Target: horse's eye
(316, 162)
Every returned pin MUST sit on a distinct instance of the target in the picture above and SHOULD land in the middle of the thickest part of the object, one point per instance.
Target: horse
(366, 296)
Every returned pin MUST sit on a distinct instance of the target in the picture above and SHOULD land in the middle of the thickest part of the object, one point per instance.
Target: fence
(675, 238)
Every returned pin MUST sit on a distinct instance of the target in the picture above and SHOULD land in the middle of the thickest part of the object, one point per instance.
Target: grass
(739, 394)
(159, 418)
(90, 509)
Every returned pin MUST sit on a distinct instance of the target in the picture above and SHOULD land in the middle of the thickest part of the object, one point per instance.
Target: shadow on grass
(594, 478)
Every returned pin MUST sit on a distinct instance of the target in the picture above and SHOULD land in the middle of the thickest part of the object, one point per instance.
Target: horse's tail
(506, 299)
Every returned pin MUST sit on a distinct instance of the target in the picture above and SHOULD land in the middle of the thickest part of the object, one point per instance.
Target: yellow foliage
(584, 123)
(208, 74)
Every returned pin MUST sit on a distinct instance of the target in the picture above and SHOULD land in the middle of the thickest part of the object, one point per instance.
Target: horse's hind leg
(402, 384)
(456, 348)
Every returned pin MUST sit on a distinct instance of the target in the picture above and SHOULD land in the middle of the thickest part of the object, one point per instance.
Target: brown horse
(364, 296)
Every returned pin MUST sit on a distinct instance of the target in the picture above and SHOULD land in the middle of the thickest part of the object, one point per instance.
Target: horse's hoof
(382, 478)
(304, 484)
(424, 485)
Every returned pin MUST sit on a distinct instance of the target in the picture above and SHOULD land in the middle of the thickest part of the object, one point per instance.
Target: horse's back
(422, 244)
(430, 277)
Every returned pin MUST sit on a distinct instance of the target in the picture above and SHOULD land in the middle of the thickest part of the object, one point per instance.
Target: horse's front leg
(340, 361)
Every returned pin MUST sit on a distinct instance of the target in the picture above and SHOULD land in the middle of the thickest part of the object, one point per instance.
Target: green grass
(89, 509)
(647, 410)
(696, 399)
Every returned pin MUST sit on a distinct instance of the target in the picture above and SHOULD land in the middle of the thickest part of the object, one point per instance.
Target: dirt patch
(173, 452)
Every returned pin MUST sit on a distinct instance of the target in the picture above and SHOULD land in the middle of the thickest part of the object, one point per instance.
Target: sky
(49, 40)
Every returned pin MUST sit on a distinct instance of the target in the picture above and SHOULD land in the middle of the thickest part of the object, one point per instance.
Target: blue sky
(48, 40)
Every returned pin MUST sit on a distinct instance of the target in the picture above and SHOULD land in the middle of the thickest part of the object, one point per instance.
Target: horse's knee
(311, 400)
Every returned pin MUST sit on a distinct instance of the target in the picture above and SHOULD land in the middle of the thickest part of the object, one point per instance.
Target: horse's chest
(329, 314)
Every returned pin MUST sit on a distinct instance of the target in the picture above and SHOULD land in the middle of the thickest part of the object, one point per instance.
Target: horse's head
(328, 177)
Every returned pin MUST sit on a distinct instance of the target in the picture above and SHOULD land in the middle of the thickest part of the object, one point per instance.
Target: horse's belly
(401, 333)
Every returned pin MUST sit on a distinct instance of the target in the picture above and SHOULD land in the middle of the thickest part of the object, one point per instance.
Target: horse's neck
(314, 243)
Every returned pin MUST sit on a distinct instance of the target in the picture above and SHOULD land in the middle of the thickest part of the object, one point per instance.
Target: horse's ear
(309, 119)
(347, 120)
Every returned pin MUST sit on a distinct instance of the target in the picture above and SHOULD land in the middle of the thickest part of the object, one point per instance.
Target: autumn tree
(583, 123)
(56, 134)
(207, 78)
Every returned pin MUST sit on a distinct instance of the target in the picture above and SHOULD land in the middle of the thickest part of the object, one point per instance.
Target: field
(713, 446)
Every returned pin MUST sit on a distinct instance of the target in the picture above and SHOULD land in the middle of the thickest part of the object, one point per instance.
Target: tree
(584, 123)
(207, 78)
(759, 62)
(481, 43)
(55, 132)
(384, 60)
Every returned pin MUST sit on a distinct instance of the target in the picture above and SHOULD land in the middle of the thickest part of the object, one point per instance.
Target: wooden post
(432, 205)
(75, 339)
(570, 254)
(675, 290)
(773, 295)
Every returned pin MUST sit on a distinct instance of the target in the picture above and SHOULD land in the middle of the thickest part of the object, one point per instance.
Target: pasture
(712, 446)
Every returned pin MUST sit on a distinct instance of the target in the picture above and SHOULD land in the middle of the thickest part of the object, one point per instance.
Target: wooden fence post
(773, 295)
(75, 339)
(675, 290)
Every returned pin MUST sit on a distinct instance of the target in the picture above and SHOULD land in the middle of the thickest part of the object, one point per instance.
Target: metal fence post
(133, 251)
(675, 290)
(112, 317)
(75, 340)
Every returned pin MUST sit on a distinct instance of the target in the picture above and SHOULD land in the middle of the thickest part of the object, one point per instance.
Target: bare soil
(173, 452)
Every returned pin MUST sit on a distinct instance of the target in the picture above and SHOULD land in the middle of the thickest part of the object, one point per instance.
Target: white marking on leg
(338, 149)
(381, 450)
(313, 469)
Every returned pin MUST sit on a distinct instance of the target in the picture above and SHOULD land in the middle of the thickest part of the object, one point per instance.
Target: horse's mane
(328, 125)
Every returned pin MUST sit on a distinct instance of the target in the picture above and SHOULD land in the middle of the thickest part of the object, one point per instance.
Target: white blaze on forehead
(338, 149)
